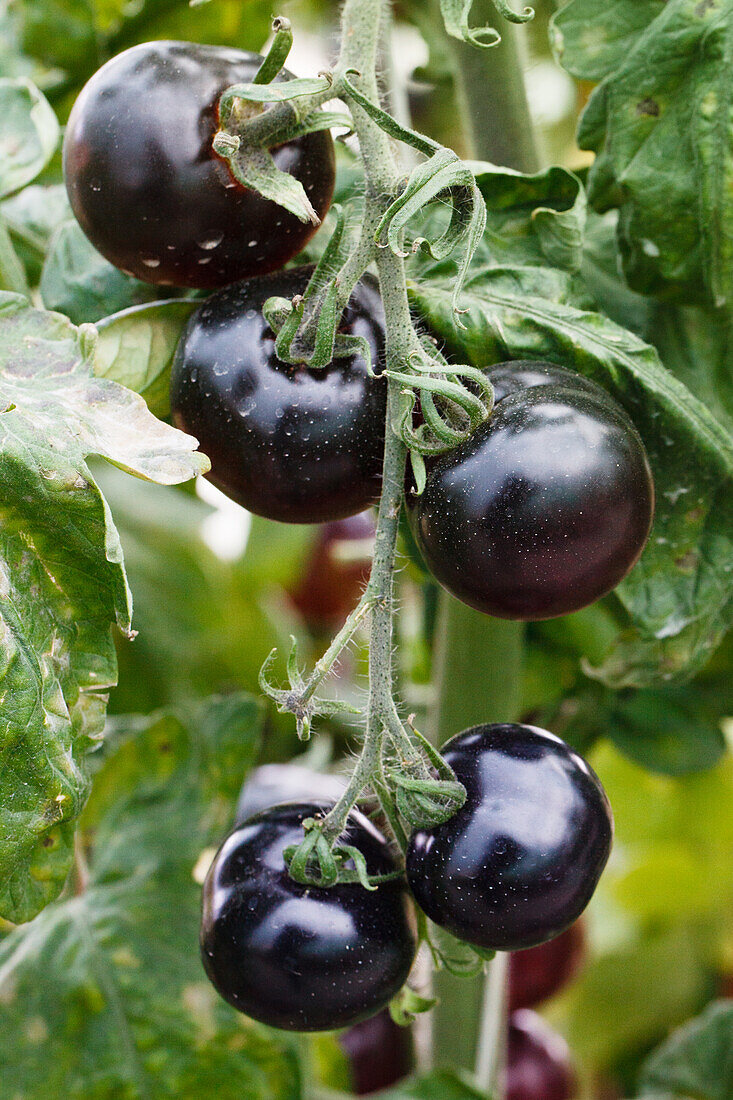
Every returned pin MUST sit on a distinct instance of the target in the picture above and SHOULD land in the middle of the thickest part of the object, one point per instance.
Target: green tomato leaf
(667, 731)
(697, 1060)
(538, 219)
(78, 281)
(32, 216)
(592, 38)
(62, 581)
(205, 625)
(439, 1085)
(661, 125)
(136, 349)
(696, 344)
(29, 133)
(602, 274)
(679, 596)
(123, 1007)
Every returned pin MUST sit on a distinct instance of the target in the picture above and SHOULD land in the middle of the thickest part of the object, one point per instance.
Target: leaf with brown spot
(661, 125)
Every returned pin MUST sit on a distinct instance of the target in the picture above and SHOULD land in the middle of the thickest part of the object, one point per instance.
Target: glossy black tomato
(519, 862)
(538, 1066)
(380, 1053)
(148, 189)
(335, 573)
(302, 957)
(540, 972)
(286, 442)
(546, 507)
(272, 784)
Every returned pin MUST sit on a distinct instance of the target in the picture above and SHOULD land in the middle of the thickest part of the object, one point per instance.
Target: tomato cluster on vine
(544, 509)
(513, 868)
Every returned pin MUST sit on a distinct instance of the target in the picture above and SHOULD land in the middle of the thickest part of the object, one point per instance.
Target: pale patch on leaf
(63, 581)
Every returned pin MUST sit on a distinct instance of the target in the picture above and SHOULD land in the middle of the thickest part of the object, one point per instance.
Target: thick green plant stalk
(493, 96)
(478, 664)
(478, 670)
(478, 659)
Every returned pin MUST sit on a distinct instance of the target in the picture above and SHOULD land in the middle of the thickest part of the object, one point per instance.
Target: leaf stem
(340, 641)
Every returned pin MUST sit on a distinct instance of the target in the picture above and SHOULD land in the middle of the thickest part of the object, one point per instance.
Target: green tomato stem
(361, 29)
(478, 665)
(340, 641)
(478, 668)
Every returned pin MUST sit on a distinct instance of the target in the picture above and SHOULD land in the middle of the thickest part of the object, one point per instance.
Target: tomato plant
(375, 767)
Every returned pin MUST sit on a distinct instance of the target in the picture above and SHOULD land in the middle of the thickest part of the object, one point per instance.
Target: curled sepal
(456, 15)
(248, 150)
(512, 16)
(459, 958)
(443, 769)
(321, 120)
(307, 327)
(254, 167)
(314, 862)
(450, 410)
(297, 698)
(408, 1004)
(447, 178)
(269, 689)
(278, 52)
(427, 802)
(419, 472)
(284, 92)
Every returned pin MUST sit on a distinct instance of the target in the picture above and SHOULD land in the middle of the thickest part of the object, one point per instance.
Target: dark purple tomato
(336, 572)
(538, 1061)
(273, 784)
(519, 862)
(149, 191)
(546, 507)
(301, 957)
(286, 442)
(380, 1053)
(539, 972)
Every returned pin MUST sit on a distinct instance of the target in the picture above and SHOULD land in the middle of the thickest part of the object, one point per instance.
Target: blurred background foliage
(215, 590)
